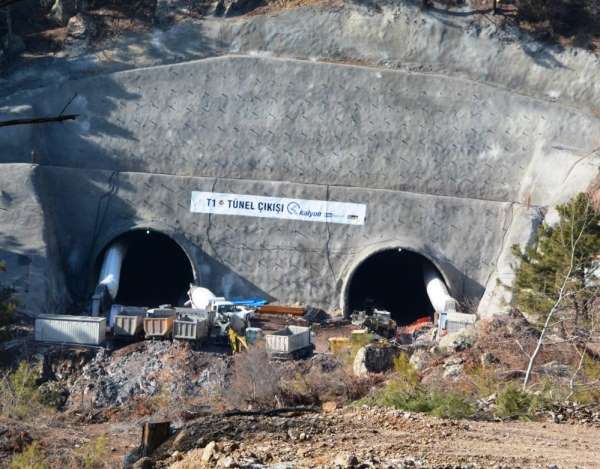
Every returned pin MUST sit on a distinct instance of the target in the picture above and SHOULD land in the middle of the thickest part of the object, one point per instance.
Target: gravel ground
(380, 438)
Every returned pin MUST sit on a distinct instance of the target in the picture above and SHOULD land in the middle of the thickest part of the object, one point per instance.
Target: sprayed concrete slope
(448, 165)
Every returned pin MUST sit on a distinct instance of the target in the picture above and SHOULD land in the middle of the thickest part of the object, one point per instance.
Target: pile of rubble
(143, 370)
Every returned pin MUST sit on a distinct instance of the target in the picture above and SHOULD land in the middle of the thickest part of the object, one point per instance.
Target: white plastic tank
(200, 296)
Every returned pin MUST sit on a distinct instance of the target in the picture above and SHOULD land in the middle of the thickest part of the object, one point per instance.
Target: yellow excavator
(236, 341)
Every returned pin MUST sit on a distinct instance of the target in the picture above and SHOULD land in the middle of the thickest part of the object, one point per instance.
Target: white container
(288, 340)
(87, 330)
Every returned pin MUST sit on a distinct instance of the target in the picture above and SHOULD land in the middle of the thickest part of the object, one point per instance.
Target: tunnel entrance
(391, 280)
(155, 270)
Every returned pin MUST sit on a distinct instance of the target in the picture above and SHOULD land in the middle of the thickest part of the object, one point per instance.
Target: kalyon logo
(294, 208)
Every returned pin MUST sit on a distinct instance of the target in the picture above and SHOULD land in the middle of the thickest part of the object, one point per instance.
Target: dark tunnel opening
(155, 270)
(391, 280)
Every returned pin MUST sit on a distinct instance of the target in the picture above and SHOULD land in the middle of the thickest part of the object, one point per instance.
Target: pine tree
(570, 247)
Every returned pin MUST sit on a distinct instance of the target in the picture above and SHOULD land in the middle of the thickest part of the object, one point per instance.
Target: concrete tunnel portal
(392, 280)
(144, 267)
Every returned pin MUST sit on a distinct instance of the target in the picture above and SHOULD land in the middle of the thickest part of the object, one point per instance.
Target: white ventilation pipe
(438, 294)
(110, 273)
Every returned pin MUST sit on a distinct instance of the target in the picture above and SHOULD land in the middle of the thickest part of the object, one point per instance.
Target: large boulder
(458, 341)
(374, 358)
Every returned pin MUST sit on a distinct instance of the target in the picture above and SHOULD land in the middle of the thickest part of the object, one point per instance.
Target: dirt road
(381, 438)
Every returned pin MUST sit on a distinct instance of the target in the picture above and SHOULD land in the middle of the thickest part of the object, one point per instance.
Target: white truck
(221, 306)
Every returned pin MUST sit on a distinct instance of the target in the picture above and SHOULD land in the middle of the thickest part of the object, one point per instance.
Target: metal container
(190, 328)
(254, 334)
(86, 330)
(197, 313)
(455, 322)
(120, 310)
(128, 325)
(156, 326)
(289, 339)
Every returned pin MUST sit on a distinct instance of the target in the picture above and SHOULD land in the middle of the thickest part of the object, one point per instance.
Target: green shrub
(405, 392)
(31, 458)
(484, 379)
(52, 394)
(512, 402)
(93, 454)
(451, 406)
(419, 399)
(19, 394)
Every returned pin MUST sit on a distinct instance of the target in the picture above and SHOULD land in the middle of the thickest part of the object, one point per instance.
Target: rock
(555, 368)
(143, 463)
(458, 341)
(62, 11)
(168, 10)
(345, 460)
(80, 27)
(330, 406)
(209, 452)
(453, 361)
(420, 359)
(374, 358)
(227, 461)
(452, 371)
(488, 359)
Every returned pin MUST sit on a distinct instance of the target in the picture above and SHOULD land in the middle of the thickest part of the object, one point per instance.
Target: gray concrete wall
(447, 165)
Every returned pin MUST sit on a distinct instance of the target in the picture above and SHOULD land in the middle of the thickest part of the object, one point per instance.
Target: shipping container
(86, 330)
(190, 328)
(289, 339)
(128, 325)
(157, 326)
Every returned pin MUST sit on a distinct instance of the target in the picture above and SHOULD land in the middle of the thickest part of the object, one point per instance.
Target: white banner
(277, 207)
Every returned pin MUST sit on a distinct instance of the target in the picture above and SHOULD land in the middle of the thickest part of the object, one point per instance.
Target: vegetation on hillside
(8, 306)
(562, 17)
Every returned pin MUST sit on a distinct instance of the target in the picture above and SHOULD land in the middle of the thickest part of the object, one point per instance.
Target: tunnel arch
(156, 268)
(393, 274)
